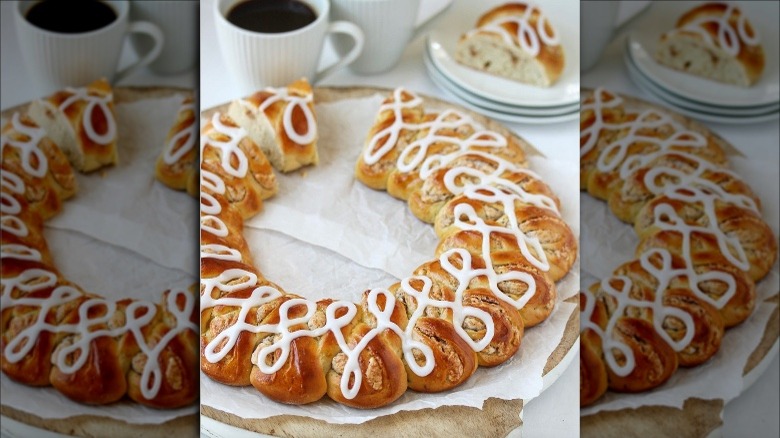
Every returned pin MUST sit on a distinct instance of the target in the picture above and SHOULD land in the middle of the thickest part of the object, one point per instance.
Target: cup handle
(156, 34)
(425, 24)
(352, 30)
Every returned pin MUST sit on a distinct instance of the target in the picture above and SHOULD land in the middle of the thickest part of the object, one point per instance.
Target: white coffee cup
(178, 20)
(598, 19)
(56, 60)
(388, 26)
(259, 60)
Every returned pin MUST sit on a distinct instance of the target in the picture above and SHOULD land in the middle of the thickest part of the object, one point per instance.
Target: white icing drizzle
(83, 331)
(212, 182)
(19, 252)
(489, 188)
(527, 37)
(293, 102)
(13, 225)
(688, 186)
(222, 252)
(13, 184)
(372, 154)
(171, 153)
(228, 149)
(28, 148)
(729, 38)
(101, 102)
(218, 228)
(15, 291)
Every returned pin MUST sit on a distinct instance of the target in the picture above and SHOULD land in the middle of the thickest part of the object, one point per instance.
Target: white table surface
(556, 412)
(755, 412)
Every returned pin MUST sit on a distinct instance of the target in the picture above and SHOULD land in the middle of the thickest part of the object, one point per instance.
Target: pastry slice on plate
(282, 122)
(82, 122)
(715, 41)
(515, 41)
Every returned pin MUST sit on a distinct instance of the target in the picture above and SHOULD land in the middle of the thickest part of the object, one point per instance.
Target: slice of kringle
(715, 41)
(515, 41)
(176, 166)
(227, 151)
(82, 122)
(34, 169)
(282, 122)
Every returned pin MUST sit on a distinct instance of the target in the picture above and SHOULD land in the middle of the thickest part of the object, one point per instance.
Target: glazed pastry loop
(101, 102)
(527, 37)
(173, 154)
(293, 102)
(728, 37)
(28, 148)
(688, 187)
(228, 148)
(32, 280)
(9, 206)
(498, 190)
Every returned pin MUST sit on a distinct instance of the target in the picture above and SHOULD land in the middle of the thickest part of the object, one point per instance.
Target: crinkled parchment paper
(123, 235)
(607, 243)
(327, 235)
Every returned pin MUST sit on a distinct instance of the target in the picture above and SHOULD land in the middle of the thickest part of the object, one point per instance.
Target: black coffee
(271, 16)
(74, 16)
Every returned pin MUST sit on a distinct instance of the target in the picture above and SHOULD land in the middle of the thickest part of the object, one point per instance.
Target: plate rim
(480, 102)
(704, 117)
(657, 90)
(571, 67)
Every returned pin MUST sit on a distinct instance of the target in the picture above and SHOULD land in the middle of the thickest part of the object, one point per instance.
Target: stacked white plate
(496, 97)
(701, 98)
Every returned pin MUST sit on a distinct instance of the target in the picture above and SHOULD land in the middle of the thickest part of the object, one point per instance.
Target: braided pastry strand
(91, 349)
(429, 332)
(702, 245)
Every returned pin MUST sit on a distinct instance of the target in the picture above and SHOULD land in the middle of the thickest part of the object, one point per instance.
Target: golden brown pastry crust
(177, 165)
(593, 370)
(44, 192)
(375, 175)
(83, 122)
(357, 353)
(749, 56)
(42, 341)
(702, 244)
(282, 122)
(549, 58)
(246, 194)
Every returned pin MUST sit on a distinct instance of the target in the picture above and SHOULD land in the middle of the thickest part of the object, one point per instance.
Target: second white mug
(388, 26)
(259, 60)
(178, 21)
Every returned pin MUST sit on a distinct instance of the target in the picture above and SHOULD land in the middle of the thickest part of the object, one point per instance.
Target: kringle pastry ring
(503, 246)
(91, 349)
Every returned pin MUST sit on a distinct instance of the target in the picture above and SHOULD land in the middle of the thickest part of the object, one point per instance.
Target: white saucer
(492, 105)
(439, 80)
(661, 18)
(442, 43)
(678, 101)
(650, 88)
